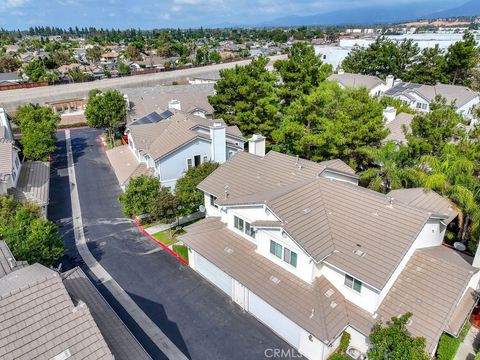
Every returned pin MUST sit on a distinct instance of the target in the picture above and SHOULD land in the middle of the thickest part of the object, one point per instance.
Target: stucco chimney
(341, 71)
(174, 104)
(389, 81)
(397, 81)
(219, 143)
(476, 259)
(389, 114)
(256, 145)
(127, 101)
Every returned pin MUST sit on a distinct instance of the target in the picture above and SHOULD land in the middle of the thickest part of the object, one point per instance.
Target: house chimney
(219, 143)
(389, 114)
(341, 71)
(127, 101)
(256, 145)
(174, 104)
(389, 82)
(397, 81)
(476, 259)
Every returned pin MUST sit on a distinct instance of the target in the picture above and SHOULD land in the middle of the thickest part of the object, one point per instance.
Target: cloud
(9, 4)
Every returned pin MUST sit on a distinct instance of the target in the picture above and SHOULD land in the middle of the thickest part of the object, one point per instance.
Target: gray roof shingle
(33, 183)
(356, 80)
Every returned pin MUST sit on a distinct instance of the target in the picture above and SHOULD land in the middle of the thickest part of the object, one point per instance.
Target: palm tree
(390, 168)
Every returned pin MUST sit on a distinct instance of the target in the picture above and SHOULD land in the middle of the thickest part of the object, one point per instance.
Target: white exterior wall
(358, 340)
(209, 209)
(368, 297)
(466, 110)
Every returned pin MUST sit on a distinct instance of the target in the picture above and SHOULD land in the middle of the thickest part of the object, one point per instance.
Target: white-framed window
(14, 175)
(353, 283)
(212, 200)
(243, 226)
(205, 158)
(189, 163)
(281, 252)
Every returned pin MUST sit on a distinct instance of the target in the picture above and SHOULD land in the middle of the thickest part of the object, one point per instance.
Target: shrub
(448, 345)
(139, 195)
(340, 357)
(164, 205)
(344, 341)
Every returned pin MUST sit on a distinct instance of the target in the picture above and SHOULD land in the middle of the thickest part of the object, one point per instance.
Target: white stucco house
(374, 85)
(419, 96)
(27, 181)
(168, 144)
(311, 254)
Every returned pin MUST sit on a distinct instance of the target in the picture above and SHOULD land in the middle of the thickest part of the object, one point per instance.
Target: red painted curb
(158, 241)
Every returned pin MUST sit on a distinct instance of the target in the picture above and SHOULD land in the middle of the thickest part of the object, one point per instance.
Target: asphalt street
(200, 320)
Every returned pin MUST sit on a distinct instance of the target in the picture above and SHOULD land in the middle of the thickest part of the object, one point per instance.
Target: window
(212, 200)
(290, 257)
(353, 283)
(196, 160)
(14, 175)
(17, 164)
(189, 163)
(230, 154)
(205, 158)
(238, 223)
(276, 249)
(249, 230)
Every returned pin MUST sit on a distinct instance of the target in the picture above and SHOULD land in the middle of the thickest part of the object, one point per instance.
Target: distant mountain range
(380, 14)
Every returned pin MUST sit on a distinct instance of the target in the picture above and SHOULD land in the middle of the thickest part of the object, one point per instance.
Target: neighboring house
(311, 254)
(48, 315)
(419, 96)
(374, 85)
(189, 98)
(9, 78)
(110, 57)
(208, 78)
(27, 181)
(395, 123)
(168, 144)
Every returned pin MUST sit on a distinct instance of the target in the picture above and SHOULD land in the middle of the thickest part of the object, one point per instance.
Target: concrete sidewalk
(182, 220)
(469, 346)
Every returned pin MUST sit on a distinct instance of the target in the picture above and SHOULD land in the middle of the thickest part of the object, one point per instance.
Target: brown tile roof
(119, 339)
(38, 319)
(426, 200)
(356, 80)
(162, 138)
(430, 287)
(328, 219)
(125, 164)
(396, 128)
(33, 183)
(462, 311)
(7, 260)
(291, 296)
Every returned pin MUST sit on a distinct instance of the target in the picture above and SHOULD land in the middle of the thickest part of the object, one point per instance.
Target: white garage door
(213, 274)
(271, 317)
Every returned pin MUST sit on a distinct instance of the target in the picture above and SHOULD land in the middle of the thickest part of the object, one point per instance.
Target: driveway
(197, 317)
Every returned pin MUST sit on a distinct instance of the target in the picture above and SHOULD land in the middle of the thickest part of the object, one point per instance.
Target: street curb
(142, 229)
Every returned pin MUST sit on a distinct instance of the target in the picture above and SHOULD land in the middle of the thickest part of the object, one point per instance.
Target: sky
(149, 14)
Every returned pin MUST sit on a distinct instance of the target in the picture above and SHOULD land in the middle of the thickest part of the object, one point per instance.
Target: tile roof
(38, 319)
(356, 80)
(119, 339)
(125, 164)
(162, 138)
(452, 93)
(426, 200)
(7, 260)
(149, 99)
(430, 287)
(396, 128)
(9, 76)
(328, 219)
(33, 183)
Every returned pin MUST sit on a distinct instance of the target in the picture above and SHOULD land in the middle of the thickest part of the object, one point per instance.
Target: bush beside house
(448, 345)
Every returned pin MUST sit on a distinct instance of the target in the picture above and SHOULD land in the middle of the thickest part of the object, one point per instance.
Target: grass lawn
(166, 236)
(181, 250)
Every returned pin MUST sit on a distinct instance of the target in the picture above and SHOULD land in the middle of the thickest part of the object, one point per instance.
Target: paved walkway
(147, 325)
(184, 219)
(469, 346)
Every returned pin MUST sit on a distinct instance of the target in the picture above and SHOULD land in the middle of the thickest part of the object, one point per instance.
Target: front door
(196, 160)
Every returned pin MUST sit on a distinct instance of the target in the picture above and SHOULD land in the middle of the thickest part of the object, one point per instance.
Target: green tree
(35, 70)
(132, 52)
(246, 97)
(94, 54)
(394, 341)
(30, 238)
(302, 72)
(38, 126)
(215, 57)
(139, 195)
(431, 131)
(124, 69)
(461, 59)
(331, 122)
(106, 110)
(165, 205)
(429, 67)
(9, 64)
(186, 188)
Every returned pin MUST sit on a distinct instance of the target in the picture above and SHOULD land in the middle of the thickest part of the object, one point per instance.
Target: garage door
(213, 274)
(279, 323)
